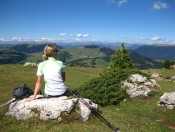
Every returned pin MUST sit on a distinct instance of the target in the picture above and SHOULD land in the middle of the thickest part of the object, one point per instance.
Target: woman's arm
(37, 88)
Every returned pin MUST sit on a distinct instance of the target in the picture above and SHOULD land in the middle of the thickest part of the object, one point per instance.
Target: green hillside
(164, 52)
(135, 115)
(100, 57)
(143, 62)
(84, 56)
(11, 57)
(21, 53)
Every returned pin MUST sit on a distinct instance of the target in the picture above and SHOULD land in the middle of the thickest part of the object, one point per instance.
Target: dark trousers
(67, 93)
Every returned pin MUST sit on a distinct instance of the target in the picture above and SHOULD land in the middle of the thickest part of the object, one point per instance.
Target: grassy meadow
(135, 115)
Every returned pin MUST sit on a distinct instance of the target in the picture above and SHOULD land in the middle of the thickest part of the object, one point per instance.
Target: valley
(82, 56)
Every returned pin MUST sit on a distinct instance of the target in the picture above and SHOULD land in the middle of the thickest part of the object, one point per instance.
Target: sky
(131, 21)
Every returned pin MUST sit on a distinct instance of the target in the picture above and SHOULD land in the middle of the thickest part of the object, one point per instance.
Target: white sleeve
(39, 71)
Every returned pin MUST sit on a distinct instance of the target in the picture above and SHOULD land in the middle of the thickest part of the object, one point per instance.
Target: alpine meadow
(99, 81)
(87, 65)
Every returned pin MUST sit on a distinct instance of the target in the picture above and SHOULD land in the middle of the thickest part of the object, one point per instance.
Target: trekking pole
(95, 112)
(7, 103)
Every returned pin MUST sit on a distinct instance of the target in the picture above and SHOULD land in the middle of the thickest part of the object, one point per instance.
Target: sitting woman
(54, 75)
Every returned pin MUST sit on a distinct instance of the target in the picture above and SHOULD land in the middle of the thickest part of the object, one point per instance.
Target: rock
(156, 76)
(173, 78)
(137, 78)
(167, 100)
(137, 85)
(84, 112)
(49, 108)
(30, 64)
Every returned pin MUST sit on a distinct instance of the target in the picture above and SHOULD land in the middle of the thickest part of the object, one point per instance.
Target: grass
(81, 52)
(34, 57)
(87, 56)
(135, 115)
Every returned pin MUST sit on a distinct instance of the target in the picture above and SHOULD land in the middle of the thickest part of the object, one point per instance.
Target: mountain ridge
(86, 56)
(161, 51)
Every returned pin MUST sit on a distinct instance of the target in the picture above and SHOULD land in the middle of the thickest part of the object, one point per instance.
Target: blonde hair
(50, 50)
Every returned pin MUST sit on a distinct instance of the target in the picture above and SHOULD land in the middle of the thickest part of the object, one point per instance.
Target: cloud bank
(85, 38)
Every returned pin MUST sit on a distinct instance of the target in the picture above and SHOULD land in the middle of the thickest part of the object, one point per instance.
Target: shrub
(106, 89)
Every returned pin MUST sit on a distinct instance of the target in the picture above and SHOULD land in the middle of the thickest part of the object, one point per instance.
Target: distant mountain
(26, 48)
(163, 52)
(85, 56)
(96, 56)
(113, 45)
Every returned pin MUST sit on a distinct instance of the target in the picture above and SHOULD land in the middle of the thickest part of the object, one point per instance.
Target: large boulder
(167, 100)
(49, 108)
(137, 85)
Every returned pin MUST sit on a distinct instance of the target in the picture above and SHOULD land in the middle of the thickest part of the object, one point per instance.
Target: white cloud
(85, 35)
(121, 2)
(111, 1)
(26, 39)
(63, 34)
(20, 39)
(156, 38)
(43, 38)
(160, 5)
(79, 35)
(48, 39)
(118, 2)
(2, 39)
(82, 35)
(15, 38)
(78, 40)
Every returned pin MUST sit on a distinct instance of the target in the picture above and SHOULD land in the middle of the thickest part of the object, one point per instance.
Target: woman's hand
(30, 99)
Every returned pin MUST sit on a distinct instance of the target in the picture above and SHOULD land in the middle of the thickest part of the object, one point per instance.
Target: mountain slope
(27, 48)
(100, 57)
(11, 57)
(87, 56)
(164, 52)
(143, 62)
(21, 53)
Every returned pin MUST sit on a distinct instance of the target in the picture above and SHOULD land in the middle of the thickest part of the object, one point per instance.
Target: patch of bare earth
(163, 122)
(160, 121)
(166, 123)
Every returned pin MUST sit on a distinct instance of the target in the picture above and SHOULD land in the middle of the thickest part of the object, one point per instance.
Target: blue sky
(133, 21)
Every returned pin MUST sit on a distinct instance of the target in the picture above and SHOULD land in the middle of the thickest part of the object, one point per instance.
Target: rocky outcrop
(137, 85)
(49, 108)
(167, 100)
(157, 76)
(30, 64)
